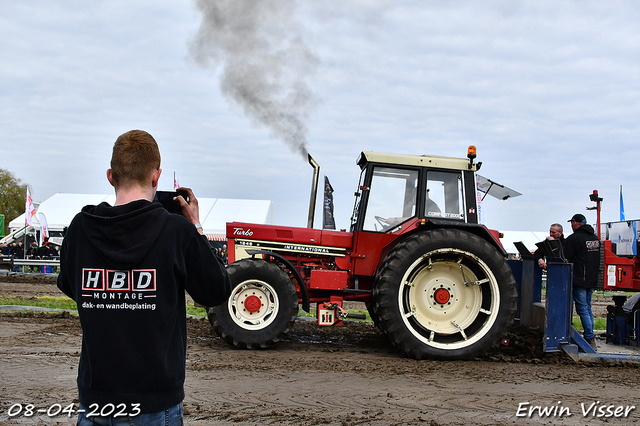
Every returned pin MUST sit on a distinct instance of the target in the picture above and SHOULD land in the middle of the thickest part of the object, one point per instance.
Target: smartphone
(166, 198)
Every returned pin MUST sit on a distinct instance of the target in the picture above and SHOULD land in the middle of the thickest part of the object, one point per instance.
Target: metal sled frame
(556, 313)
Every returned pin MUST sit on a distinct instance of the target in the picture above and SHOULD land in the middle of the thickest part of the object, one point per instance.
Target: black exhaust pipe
(314, 190)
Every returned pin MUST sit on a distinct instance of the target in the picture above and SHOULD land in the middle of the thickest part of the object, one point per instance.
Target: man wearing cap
(582, 248)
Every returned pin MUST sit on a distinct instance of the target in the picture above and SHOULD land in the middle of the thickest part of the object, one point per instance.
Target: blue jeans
(582, 299)
(169, 417)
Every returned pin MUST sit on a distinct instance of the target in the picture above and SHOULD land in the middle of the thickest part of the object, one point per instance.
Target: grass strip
(598, 323)
(66, 303)
(312, 314)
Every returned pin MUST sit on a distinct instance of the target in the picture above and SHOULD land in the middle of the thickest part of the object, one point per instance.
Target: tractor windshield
(392, 198)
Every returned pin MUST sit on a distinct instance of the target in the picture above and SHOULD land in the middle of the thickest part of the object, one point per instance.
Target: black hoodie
(582, 248)
(127, 267)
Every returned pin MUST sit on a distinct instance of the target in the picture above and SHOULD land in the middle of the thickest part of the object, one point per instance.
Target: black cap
(578, 218)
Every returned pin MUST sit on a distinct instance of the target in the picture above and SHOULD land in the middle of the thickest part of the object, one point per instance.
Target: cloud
(548, 92)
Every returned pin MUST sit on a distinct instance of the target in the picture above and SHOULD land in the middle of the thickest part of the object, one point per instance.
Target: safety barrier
(36, 262)
(43, 265)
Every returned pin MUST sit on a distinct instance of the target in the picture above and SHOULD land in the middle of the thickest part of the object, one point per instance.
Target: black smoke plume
(265, 63)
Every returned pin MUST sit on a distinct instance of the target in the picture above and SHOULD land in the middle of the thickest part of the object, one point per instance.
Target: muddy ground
(338, 376)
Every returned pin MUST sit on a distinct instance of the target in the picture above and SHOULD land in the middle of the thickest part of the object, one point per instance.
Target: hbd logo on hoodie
(118, 280)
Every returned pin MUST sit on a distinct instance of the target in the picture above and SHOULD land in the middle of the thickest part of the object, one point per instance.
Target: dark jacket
(43, 250)
(19, 251)
(33, 251)
(127, 267)
(582, 248)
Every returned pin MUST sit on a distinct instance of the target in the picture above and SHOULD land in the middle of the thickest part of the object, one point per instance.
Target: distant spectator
(33, 250)
(20, 250)
(43, 250)
(225, 254)
(33, 254)
(16, 252)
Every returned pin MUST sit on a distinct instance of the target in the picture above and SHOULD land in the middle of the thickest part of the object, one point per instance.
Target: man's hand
(190, 210)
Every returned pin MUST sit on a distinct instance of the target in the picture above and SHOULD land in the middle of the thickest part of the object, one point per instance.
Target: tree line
(12, 197)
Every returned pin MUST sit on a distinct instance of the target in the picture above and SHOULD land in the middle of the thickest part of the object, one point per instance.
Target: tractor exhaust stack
(314, 190)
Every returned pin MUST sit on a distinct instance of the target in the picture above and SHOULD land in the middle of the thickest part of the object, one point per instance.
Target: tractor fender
(303, 287)
(473, 228)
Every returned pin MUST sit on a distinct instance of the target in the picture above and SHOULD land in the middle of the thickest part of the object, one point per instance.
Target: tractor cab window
(392, 198)
(444, 195)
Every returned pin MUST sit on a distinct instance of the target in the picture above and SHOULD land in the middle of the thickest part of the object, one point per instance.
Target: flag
(621, 206)
(176, 185)
(29, 209)
(328, 221)
(44, 229)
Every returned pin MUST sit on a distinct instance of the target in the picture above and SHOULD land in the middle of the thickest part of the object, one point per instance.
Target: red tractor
(435, 281)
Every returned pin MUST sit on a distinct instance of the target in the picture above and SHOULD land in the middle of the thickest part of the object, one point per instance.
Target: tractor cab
(393, 189)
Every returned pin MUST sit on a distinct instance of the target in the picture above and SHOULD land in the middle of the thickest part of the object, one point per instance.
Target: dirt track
(321, 376)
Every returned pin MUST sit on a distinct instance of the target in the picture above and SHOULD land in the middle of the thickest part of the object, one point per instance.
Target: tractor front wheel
(261, 309)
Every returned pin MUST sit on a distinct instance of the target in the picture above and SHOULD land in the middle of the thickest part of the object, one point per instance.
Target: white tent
(216, 212)
(60, 209)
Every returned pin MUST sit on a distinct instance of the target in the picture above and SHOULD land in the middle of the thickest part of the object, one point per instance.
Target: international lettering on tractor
(433, 279)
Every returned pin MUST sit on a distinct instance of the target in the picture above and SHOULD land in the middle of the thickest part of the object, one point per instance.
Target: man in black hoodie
(582, 248)
(127, 267)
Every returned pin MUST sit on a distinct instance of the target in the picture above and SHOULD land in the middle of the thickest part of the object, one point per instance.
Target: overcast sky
(234, 91)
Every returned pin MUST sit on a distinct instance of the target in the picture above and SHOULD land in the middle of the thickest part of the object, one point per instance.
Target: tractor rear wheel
(445, 294)
(261, 309)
